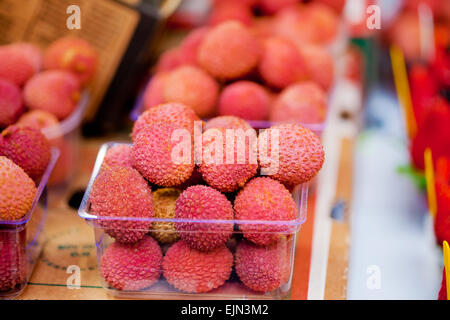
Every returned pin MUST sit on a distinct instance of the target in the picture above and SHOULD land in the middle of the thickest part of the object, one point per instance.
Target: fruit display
(185, 209)
(246, 61)
(43, 89)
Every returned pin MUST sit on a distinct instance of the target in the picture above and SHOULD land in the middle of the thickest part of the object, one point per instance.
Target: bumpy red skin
(228, 177)
(54, 91)
(193, 87)
(152, 155)
(443, 291)
(19, 62)
(320, 65)
(281, 63)
(204, 203)
(229, 51)
(38, 119)
(194, 271)
(245, 99)
(177, 113)
(434, 132)
(74, 55)
(262, 269)
(118, 193)
(28, 148)
(264, 199)
(12, 261)
(230, 10)
(11, 105)
(301, 154)
(132, 267)
(17, 191)
(227, 122)
(442, 219)
(154, 92)
(119, 155)
(304, 103)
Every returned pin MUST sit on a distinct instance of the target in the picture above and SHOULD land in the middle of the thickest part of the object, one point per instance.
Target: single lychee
(17, 191)
(194, 271)
(204, 204)
(120, 192)
(245, 99)
(38, 119)
(55, 91)
(320, 66)
(132, 267)
(119, 155)
(28, 148)
(19, 62)
(193, 87)
(265, 199)
(229, 51)
(296, 158)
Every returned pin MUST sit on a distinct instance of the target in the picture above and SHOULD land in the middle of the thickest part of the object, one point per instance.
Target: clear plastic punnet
(21, 240)
(173, 279)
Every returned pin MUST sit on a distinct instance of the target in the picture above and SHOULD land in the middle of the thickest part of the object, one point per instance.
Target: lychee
(229, 51)
(189, 46)
(28, 148)
(19, 62)
(263, 269)
(38, 119)
(17, 191)
(299, 153)
(204, 204)
(120, 192)
(72, 54)
(264, 199)
(320, 66)
(55, 91)
(163, 153)
(132, 267)
(281, 63)
(119, 155)
(230, 10)
(193, 87)
(194, 271)
(11, 105)
(154, 92)
(164, 201)
(229, 158)
(245, 99)
(227, 122)
(304, 103)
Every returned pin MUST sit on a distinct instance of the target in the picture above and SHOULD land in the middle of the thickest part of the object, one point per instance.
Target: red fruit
(193, 87)
(337, 5)
(74, 55)
(281, 63)
(203, 203)
(273, 6)
(324, 20)
(11, 106)
(120, 192)
(442, 219)
(28, 148)
(132, 267)
(228, 173)
(229, 51)
(319, 66)
(245, 99)
(443, 291)
(230, 10)
(159, 157)
(177, 113)
(194, 271)
(303, 102)
(19, 62)
(263, 269)
(265, 199)
(434, 133)
(119, 155)
(54, 91)
(169, 60)
(154, 92)
(189, 46)
(38, 119)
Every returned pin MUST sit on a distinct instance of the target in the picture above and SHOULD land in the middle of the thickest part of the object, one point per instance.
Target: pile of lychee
(273, 68)
(195, 221)
(39, 89)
